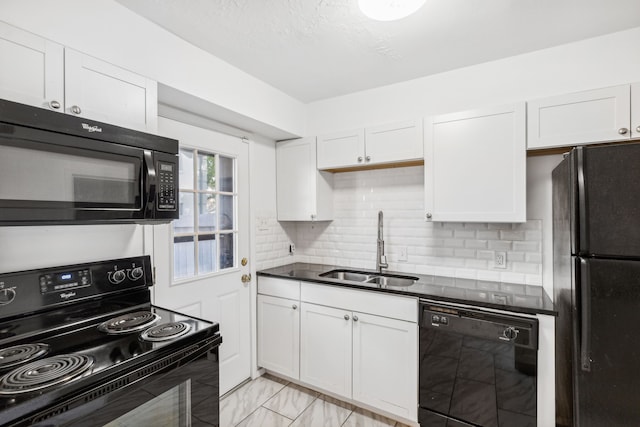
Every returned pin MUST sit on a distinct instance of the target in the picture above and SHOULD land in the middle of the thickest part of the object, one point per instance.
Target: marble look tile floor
(269, 401)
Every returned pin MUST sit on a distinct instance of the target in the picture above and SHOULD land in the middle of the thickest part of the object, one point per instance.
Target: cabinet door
(32, 70)
(279, 335)
(325, 348)
(341, 149)
(394, 142)
(635, 110)
(295, 168)
(101, 91)
(475, 165)
(579, 118)
(385, 364)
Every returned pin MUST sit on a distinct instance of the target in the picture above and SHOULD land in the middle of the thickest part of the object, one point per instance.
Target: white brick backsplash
(464, 250)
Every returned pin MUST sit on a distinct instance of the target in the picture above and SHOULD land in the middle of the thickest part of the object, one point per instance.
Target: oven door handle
(149, 182)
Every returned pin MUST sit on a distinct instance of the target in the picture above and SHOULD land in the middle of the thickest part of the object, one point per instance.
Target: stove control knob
(510, 333)
(7, 296)
(136, 273)
(117, 276)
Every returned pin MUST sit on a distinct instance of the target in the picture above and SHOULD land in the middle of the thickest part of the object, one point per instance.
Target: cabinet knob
(638, 129)
(368, 158)
(295, 307)
(346, 317)
(75, 109)
(355, 318)
(54, 105)
(359, 159)
(623, 131)
(313, 217)
(428, 215)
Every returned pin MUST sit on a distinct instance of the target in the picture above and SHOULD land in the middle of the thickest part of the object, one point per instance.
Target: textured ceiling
(316, 49)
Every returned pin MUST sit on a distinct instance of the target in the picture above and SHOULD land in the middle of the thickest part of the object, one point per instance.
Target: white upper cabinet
(101, 91)
(475, 165)
(390, 143)
(47, 75)
(303, 192)
(635, 110)
(342, 149)
(581, 118)
(32, 71)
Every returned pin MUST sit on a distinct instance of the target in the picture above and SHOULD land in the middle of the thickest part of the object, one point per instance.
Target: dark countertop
(513, 297)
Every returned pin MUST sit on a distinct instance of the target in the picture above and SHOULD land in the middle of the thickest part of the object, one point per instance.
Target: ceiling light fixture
(389, 10)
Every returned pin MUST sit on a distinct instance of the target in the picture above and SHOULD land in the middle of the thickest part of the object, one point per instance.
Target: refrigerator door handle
(585, 317)
(583, 236)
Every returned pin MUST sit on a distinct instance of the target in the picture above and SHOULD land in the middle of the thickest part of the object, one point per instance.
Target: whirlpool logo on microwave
(91, 128)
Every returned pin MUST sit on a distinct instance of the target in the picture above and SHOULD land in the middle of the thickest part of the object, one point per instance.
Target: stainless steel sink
(352, 276)
(387, 280)
(372, 278)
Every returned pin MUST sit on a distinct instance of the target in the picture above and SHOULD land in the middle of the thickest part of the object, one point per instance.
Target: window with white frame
(204, 238)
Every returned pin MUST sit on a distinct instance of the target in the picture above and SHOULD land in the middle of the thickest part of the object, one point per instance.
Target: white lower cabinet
(325, 348)
(384, 363)
(355, 344)
(279, 335)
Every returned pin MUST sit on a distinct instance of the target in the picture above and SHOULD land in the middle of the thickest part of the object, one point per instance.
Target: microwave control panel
(167, 181)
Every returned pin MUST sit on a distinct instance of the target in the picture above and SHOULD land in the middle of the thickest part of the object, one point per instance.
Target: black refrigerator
(596, 244)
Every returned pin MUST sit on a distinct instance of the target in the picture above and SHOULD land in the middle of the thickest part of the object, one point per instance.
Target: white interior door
(209, 283)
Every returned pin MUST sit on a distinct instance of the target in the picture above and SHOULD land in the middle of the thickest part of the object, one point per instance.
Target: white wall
(109, 31)
(599, 62)
(25, 248)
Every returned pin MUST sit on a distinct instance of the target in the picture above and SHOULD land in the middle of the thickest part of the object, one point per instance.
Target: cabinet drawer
(396, 307)
(282, 288)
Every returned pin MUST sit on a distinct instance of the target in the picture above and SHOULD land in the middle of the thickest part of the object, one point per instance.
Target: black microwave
(62, 169)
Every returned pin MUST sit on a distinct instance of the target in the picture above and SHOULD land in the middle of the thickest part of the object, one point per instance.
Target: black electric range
(83, 345)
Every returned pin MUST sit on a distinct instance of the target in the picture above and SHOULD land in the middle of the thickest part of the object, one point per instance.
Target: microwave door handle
(149, 179)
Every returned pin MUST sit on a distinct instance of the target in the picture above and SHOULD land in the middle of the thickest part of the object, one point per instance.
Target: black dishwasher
(477, 368)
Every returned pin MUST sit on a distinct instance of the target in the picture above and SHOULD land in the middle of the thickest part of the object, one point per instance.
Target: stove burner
(166, 332)
(16, 355)
(130, 322)
(44, 373)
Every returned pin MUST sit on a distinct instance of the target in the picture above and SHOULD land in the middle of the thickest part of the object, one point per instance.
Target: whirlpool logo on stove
(67, 295)
(91, 128)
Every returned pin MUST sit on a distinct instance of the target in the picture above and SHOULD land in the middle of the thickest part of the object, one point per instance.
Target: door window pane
(206, 172)
(207, 253)
(226, 212)
(185, 223)
(183, 257)
(226, 174)
(206, 212)
(226, 251)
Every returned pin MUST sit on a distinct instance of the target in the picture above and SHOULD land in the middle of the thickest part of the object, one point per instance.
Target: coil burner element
(166, 332)
(44, 373)
(130, 322)
(19, 354)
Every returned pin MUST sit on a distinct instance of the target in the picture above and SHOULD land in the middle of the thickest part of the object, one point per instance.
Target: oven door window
(170, 409)
(34, 175)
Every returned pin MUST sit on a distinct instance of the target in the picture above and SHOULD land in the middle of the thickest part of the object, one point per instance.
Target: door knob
(246, 278)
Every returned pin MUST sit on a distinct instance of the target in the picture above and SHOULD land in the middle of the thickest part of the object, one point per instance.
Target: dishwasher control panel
(505, 328)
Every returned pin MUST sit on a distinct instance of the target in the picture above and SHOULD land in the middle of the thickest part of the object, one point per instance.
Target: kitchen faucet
(381, 258)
